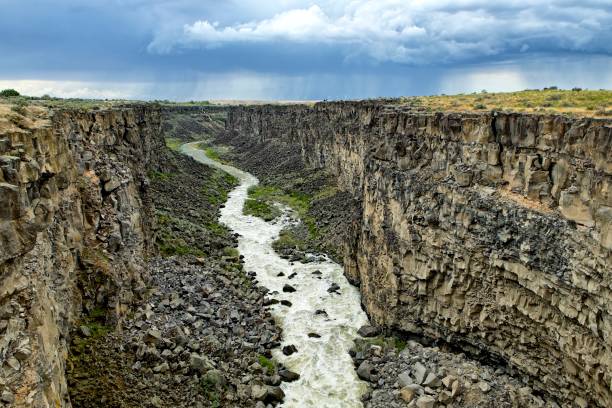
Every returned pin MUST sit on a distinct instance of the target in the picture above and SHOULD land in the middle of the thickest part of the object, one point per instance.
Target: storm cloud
(295, 49)
(420, 32)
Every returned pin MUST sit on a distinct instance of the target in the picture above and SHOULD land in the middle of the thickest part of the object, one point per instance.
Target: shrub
(9, 92)
(20, 107)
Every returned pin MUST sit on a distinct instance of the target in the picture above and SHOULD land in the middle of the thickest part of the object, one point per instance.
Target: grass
(299, 202)
(216, 153)
(211, 153)
(268, 364)
(574, 102)
(211, 191)
(160, 176)
(172, 248)
(231, 252)
(288, 239)
(387, 342)
(261, 204)
(173, 143)
(216, 229)
(261, 209)
(181, 234)
(210, 391)
(95, 322)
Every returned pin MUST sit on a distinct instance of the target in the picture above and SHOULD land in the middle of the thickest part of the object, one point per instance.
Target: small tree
(9, 92)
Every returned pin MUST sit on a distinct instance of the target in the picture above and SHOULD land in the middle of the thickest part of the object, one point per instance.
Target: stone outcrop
(74, 229)
(489, 231)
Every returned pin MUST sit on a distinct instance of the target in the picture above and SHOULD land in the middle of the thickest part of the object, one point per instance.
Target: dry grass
(575, 102)
(16, 118)
(524, 202)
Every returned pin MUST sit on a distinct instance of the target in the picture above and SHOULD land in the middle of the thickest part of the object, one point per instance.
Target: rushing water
(327, 376)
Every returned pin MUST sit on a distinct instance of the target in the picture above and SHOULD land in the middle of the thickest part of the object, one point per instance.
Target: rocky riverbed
(314, 304)
(409, 374)
(203, 335)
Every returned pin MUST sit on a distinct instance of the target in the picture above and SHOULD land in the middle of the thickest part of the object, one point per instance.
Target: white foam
(327, 376)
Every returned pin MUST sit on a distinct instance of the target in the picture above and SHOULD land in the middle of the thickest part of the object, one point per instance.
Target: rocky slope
(118, 287)
(74, 229)
(491, 232)
(200, 335)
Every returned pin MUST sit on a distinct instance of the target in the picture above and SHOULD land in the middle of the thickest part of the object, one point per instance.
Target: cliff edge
(489, 231)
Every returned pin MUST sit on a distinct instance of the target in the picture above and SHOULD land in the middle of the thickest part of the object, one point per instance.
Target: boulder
(419, 372)
(288, 376)
(199, 363)
(426, 401)
(368, 331)
(365, 371)
(288, 288)
(289, 350)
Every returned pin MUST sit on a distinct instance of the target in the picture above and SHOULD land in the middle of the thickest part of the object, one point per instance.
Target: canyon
(489, 233)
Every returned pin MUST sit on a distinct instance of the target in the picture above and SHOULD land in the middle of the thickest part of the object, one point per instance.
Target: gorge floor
(398, 373)
(202, 331)
(316, 307)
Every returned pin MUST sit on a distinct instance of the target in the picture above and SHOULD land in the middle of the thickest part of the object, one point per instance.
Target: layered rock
(489, 231)
(74, 228)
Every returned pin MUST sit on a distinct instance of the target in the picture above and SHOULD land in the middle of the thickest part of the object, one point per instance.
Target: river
(327, 377)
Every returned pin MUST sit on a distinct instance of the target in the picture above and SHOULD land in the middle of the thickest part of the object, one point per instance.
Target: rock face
(490, 231)
(74, 228)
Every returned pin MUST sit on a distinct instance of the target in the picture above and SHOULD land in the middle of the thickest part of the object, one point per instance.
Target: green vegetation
(212, 153)
(166, 102)
(576, 101)
(169, 242)
(95, 324)
(268, 364)
(160, 176)
(261, 209)
(7, 93)
(209, 387)
(288, 238)
(386, 343)
(216, 229)
(212, 191)
(307, 235)
(177, 248)
(174, 143)
(189, 232)
(231, 252)
(20, 107)
(217, 153)
(298, 201)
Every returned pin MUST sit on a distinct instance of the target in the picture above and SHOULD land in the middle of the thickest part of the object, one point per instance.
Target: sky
(297, 49)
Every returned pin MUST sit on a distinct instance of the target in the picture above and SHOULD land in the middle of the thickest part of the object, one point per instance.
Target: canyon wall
(491, 231)
(74, 230)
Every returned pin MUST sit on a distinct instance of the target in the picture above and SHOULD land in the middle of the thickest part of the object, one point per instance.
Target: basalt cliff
(491, 232)
(75, 226)
(118, 286)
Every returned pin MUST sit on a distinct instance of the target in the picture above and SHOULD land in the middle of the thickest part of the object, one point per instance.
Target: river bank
(316, 307)
(391, 362)
(202, 337)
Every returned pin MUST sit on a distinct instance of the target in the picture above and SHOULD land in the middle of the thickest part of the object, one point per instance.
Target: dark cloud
(187, 49)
